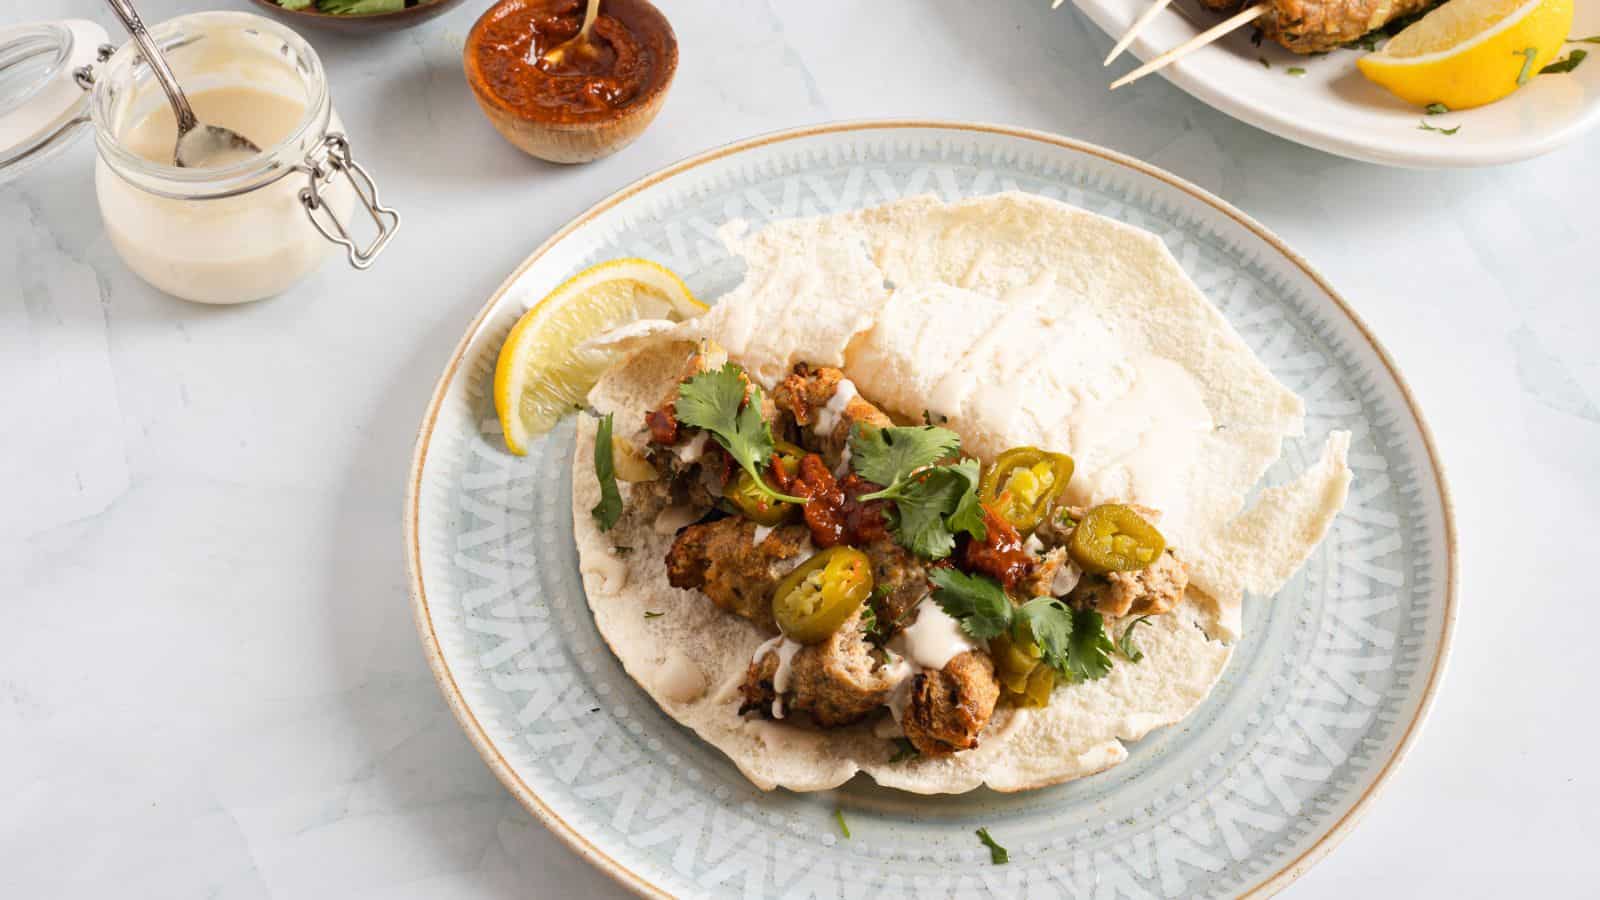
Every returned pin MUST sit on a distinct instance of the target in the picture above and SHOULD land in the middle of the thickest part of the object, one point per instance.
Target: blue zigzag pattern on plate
(1311, 706)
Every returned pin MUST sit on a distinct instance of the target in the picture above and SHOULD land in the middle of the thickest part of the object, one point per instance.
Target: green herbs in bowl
(373, 15)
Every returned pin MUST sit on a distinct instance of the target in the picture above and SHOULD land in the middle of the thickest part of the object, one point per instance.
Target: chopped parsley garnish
(844, 829)
(715, 401)
(1436, 109)
(1444, 131)
(609, 509)
(932, 503)
(904, 750)
(1296, 71)
(1264, 63)
(1595, 39)
(622, 550)
(1527, 54)
(1071, 641)
(869, 618)
(1125, 644)
(997, 853)
(1566, 64)
(653, 614)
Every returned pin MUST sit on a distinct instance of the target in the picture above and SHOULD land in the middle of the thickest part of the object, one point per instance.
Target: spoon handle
(158, 64)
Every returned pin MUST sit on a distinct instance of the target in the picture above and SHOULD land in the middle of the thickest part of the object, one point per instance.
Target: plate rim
(1269, 120)
(578, 842)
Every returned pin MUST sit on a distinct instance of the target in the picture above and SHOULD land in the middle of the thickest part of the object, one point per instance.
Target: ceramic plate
(1333, 108)
(1324, 694)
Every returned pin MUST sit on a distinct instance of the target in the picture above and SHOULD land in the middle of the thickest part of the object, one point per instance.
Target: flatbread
(1105, 325)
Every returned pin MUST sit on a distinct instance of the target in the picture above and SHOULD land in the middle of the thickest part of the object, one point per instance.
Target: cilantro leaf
(1089, 650)
(1125, 644)
(888, 456)
(1444, 131)
(294, 4)
(869, 618)
(978, 602)
(838, 815)
(1050, 622)
(1435, 109)
(715, 401)
(1565, 64)
(609, 509)
(923, 503)
(997, 853)
(1527, 54)
(904, 750)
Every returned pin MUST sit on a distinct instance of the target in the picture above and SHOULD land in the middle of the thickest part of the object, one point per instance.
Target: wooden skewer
(1215, 33)
(1134, 29)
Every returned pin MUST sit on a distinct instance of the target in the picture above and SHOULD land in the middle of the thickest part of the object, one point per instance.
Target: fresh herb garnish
(1566, 64)
(1256, 34)
(997, 853)
(715, 401)
(904, 750)
(622, 550)
(1444, 131)
(976, 601)
(1296, 71)
(869, 618)
(1264, 63)
(932, 503)
(1527, 54)
(844, 829)
(889, 456)
(1588, 40)
(1436, 109)
(1071, 641)
(1125, 644)
(609, 509)
(653, 614)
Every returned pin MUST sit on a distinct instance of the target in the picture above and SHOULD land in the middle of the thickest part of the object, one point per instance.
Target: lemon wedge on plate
(545, 369)
(1470, 52)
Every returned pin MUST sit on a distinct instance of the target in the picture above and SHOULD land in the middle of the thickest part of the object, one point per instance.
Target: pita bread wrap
(1020, 321)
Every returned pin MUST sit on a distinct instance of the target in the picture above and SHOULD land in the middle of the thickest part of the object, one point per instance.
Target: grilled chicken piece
(1151, 591)
(949, 708)
(1316, 26)
(900, 582)
(804, 396)
(837, 682)
(723, 560)
(1041, 579)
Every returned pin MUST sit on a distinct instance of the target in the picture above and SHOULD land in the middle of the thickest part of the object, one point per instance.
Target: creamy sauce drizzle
(760, 534)
(933, 639)
(786, 649)
(1066, 578)
(843, 468)
(693, 449)
(675, 517)
(609, 569)
(829, 415)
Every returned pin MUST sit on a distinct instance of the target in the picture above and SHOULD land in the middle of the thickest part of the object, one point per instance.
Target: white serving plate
(1333, 108)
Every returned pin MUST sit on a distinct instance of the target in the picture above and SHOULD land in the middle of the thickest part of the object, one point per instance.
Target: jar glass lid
(42, 101)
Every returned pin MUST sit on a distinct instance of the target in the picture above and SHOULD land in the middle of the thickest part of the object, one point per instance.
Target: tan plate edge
(636, 883)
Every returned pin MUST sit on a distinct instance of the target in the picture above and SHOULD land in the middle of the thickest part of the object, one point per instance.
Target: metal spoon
(578, 42)
(197, 141)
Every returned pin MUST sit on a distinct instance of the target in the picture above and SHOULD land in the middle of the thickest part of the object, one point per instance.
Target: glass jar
(231, 234)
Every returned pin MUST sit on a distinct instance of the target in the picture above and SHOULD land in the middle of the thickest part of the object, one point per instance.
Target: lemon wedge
(1470, 52)
(545, 368)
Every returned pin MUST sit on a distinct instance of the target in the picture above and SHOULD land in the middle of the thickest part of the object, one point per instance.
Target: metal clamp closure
(323, 165)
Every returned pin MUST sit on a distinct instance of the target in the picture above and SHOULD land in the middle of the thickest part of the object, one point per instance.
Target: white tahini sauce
(680, 679)
(829, 415)
(693, 449)
(933, 639)
(786, 649)
(609, 569)
(843, 468)
(669, 520)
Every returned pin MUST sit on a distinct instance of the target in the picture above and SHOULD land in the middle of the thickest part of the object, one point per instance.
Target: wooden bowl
(582, 140)
(390, 21)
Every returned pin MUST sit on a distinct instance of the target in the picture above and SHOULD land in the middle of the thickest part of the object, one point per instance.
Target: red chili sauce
(622, 61)
(832, 511)
(1000, 554)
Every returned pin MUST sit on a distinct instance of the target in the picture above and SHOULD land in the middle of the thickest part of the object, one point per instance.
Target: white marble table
(209, 680)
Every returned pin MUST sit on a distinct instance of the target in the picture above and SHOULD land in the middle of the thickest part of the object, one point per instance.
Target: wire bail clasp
(330, 158)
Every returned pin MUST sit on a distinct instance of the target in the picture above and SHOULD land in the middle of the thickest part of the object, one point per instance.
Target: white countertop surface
(210, 684)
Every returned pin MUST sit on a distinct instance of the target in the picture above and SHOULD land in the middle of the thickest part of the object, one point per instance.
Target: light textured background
(209, 679)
